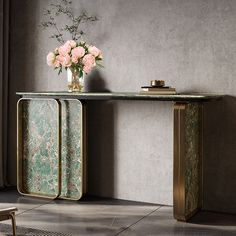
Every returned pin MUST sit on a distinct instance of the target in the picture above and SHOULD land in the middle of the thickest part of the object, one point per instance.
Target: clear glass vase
(75, 80)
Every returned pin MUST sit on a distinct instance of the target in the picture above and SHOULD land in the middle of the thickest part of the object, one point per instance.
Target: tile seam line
(33, 208)
(123, 230)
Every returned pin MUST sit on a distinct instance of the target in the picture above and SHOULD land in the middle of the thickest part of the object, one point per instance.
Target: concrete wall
(190, 44)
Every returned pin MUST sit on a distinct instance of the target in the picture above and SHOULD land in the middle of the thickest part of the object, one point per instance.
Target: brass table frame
(188, 141)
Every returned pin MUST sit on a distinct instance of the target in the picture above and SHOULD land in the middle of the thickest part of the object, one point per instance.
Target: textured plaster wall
(190, 44)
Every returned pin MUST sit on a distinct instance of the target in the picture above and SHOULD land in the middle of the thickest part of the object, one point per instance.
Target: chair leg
(13, 220)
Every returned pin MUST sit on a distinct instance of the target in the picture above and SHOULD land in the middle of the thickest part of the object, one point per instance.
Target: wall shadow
(219, 162)
(95, 82)
(100, 125)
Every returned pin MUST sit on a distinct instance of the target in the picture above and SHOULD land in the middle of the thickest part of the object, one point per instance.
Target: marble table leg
(51, 148)
(187, 189)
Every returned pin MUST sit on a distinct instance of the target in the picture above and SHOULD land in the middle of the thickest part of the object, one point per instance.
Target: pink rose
(56, 63)
(94, 51)
(78, 52)
(64, 60)
(51, 58)
(72, 43)
(74, 59)
(59, 58)
(89, 60)
(87, 69)
(64, 49)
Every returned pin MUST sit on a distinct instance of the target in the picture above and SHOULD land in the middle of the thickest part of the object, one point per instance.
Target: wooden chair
(9, 213)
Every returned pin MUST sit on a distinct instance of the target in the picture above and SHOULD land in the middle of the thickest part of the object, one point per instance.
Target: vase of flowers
(78, 59)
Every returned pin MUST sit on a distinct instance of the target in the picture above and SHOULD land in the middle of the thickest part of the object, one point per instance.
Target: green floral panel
(192, 155)
(40, 147)
(72, 153)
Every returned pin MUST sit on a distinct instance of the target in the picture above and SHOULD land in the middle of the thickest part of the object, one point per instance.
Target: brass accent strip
(201, 154)
(20, 149)
(179, 162)
(59, 146)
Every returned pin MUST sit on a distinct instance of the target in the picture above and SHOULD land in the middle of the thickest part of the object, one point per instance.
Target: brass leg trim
(179, 180)
(187, 189)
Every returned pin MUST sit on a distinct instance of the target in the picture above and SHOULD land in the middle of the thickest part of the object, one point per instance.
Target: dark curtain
(4, 52)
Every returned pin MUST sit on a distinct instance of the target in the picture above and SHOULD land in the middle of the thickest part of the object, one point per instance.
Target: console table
(51, 146)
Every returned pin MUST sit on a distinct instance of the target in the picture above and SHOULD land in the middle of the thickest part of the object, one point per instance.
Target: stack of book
(157, 89)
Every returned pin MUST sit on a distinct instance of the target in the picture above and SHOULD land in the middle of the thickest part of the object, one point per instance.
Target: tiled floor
(101, 217)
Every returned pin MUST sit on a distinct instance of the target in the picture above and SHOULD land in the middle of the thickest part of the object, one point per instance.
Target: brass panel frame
(83, 148)
(20, 148)
(179, 178)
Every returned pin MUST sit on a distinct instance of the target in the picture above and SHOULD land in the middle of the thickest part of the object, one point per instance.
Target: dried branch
(74, 22)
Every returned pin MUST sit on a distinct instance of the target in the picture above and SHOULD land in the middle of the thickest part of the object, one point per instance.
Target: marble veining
(40, 147)
(72, 153)
(192, 155)
(124, 96)
(40, 159)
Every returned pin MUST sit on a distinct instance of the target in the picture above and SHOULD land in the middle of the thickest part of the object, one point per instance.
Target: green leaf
(60, 70)
(101, 66)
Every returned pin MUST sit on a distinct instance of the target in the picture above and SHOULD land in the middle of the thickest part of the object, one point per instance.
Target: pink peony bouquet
(75, 56)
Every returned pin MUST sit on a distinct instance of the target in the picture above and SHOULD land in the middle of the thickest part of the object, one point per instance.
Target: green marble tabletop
(123, 96)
